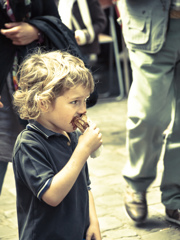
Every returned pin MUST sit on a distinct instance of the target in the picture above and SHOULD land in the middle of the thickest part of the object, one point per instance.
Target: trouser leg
(3, 168)
(149, 111)
(170, 185)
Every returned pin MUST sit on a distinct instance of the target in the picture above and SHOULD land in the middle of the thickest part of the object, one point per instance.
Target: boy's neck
(66, 134)
(43, 123)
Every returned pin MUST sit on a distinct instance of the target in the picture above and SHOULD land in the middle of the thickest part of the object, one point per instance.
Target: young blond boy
(54, 200)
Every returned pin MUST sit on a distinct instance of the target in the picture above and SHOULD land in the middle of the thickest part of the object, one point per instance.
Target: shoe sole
(172, 220)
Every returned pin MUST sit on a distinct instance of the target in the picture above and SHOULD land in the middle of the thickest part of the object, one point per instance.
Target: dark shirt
(38, 155)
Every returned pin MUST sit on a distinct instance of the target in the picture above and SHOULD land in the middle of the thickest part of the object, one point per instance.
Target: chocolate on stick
(80, 122)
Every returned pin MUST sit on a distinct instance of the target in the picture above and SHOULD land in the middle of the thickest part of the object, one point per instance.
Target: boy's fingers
(97, 130)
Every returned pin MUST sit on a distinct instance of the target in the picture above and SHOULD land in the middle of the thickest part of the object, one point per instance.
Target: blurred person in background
(87, 19)
(152, 33)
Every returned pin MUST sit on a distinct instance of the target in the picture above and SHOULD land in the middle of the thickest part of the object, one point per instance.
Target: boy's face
(61, 112)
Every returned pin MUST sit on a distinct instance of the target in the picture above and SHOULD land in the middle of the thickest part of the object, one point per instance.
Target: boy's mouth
(73, 124)
(80, 122)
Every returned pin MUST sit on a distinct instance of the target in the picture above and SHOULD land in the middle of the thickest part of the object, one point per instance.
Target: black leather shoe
(136, 205)
(173, 216)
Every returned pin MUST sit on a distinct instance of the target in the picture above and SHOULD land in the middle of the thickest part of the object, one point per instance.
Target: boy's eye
(79, 101)
(74, 102)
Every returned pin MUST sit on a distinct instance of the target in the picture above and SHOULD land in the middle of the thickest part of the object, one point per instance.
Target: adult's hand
(1, 104)
(21, 33)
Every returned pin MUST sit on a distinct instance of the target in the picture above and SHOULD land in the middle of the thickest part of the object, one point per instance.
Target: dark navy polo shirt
(38, 155)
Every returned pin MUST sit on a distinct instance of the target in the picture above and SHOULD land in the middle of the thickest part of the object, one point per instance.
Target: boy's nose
(82, 108)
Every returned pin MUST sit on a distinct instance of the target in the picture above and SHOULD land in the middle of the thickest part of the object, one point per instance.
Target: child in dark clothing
(54, 200)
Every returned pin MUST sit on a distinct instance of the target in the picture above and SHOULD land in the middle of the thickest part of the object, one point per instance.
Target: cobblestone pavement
(107, 186)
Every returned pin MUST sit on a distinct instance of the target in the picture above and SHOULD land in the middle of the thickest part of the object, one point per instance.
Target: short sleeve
(32, 167)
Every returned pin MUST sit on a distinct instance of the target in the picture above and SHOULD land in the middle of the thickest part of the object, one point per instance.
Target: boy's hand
(91, 138)
(93, 233)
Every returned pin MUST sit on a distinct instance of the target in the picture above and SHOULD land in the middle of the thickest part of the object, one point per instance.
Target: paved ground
(107, 186)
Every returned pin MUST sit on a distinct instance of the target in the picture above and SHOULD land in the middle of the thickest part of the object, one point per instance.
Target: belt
(175, 14)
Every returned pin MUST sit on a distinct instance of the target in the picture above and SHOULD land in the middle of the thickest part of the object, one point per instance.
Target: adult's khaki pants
(153, 104)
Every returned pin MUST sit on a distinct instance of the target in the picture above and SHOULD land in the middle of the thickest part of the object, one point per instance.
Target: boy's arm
(93, 232)
(63, 181)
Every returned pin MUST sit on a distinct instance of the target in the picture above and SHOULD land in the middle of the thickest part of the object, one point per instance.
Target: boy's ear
(43, 105)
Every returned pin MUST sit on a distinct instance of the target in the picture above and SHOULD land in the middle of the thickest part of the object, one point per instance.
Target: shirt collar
(36, 126)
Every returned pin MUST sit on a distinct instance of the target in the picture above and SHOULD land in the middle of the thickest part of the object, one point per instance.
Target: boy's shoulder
(27, 134)
(26, 137)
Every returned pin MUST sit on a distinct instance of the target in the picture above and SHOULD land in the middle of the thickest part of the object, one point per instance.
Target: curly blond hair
(46, 76)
